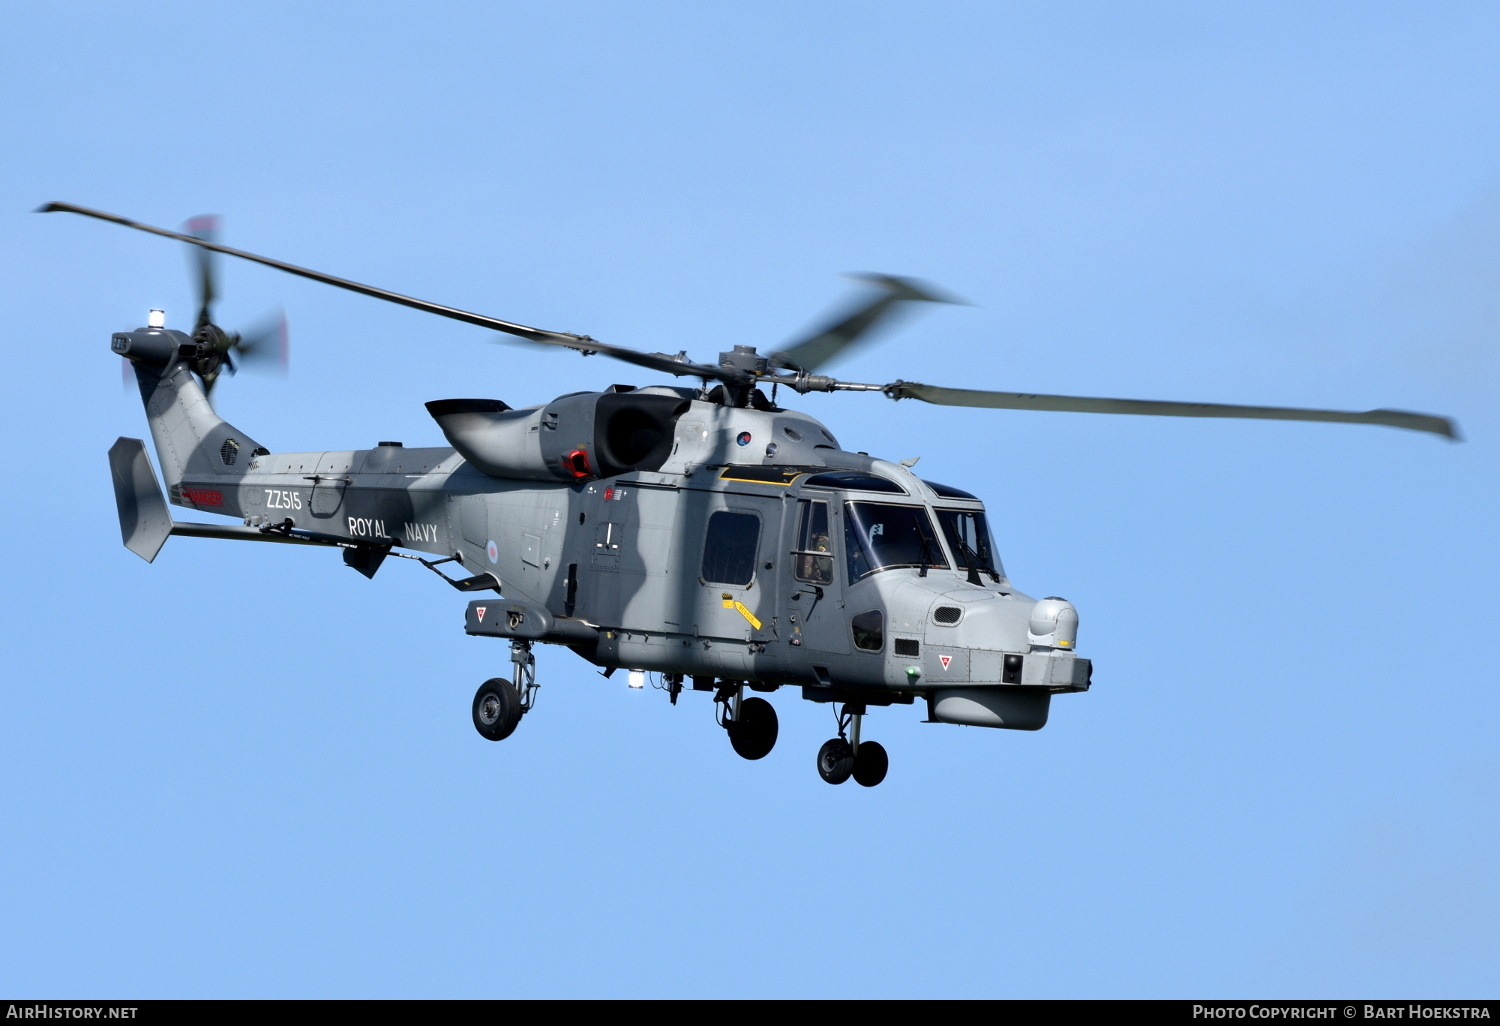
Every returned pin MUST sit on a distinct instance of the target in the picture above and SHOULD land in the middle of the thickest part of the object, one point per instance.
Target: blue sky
(250, 773)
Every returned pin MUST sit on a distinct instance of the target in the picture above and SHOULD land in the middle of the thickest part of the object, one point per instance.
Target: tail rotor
(263, 347)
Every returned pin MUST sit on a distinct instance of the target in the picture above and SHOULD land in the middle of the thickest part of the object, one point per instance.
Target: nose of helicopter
(995, 660)
(991, 638)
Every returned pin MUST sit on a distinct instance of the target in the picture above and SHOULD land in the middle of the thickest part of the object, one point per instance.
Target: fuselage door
(730, 597)
(812, 585)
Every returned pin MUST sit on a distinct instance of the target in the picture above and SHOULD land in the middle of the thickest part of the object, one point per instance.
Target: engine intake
(576, 437)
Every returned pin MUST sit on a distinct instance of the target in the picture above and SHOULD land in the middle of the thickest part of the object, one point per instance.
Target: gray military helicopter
(704, 534)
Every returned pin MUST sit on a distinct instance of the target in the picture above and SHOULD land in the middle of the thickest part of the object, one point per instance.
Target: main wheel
(870, 763)
(497, 709)
(753, 735)
(835, 760)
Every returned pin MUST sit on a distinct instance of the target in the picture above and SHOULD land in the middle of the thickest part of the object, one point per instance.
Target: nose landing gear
(841, 758)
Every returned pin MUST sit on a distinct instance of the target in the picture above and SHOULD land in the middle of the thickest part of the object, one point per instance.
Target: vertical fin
(145, 522)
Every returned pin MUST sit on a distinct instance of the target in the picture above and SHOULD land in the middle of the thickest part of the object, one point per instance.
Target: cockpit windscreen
(969, 539)
(880, 535)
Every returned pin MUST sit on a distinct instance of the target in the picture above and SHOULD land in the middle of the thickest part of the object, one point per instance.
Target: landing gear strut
(845, 756)
(499, 704)
(525, 672)
(750, 722)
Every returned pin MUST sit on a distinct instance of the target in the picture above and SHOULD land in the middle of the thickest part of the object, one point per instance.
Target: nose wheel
(870, 764)
(835, 760)
(843, 757)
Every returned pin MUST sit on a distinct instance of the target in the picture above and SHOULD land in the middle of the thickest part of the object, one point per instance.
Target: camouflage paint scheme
(612, 567)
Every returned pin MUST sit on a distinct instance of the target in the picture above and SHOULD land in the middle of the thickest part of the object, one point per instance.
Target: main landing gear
(845, 756)
(499, 704)
(752, 728)
(750, 722)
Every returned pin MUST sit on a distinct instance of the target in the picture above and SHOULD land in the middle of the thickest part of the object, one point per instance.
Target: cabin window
(869, 630)
(969, 537)
(878, 536)
(729, 549)
(813, 539)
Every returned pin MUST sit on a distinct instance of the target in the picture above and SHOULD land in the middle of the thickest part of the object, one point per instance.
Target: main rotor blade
(679, 365)
(817, 349)
(1083, 404)
(541, 335)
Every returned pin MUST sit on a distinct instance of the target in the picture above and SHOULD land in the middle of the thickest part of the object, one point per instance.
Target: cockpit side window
(968, 537)
(813, 539)
(879, 535)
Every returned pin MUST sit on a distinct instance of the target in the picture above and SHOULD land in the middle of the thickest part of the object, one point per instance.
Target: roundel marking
(744, 438)
(493, 551)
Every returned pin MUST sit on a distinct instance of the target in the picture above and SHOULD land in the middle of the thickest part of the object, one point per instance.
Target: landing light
(156, 319)
(637, 678)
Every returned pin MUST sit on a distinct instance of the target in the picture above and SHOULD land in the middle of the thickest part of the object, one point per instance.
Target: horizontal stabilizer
(239, 532)
(145, 523)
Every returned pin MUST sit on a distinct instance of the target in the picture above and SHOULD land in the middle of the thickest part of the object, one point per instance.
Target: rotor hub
(746, 359)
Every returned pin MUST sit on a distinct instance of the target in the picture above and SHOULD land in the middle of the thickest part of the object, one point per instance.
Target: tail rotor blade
(266, 345)
(204, 228)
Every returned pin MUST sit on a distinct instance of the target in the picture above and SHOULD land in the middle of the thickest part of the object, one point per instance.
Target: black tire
(835, 761)
(870, 763)
(496, 709)
(753, 735)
